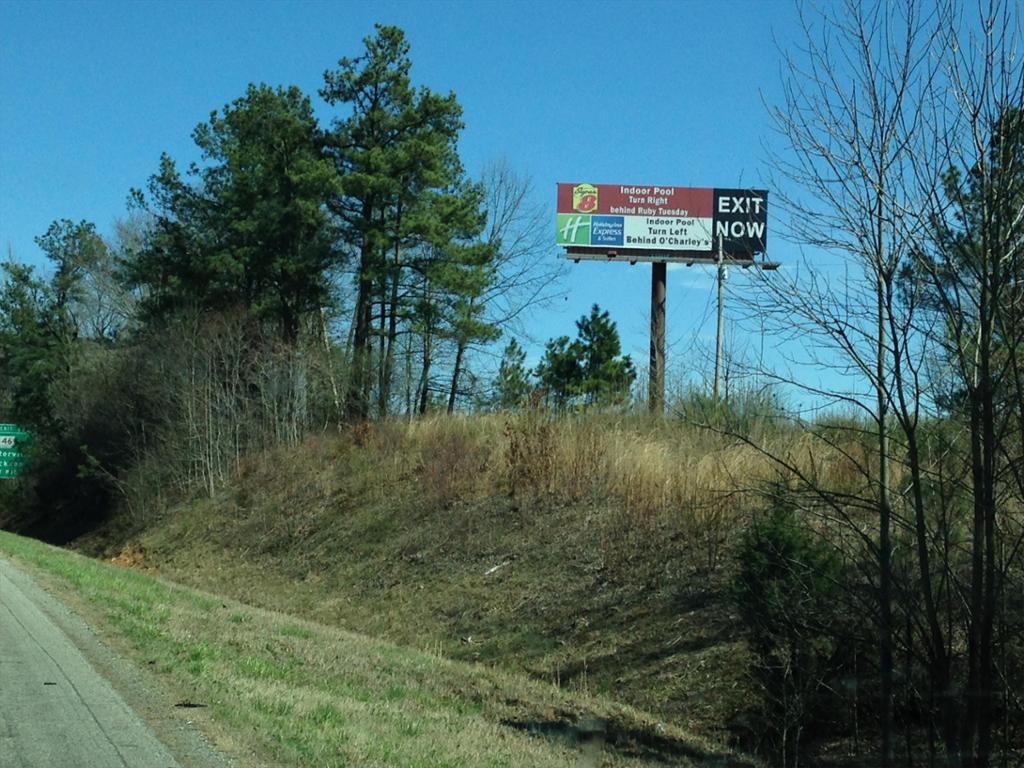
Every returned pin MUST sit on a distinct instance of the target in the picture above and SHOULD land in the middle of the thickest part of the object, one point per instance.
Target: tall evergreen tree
(253, 229)
(970, 282)
(74, 250)
(449, 273)
(41, 321)
(977, 245)
(559, 370)
(468, 321)
(30, 351)
(606, 375)
(402, 187)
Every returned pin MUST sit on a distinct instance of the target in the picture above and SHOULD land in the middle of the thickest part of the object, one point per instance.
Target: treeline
(280, 213)
(296, 277)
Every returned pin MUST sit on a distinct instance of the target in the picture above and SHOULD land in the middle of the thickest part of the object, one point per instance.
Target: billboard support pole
(615, 222)
(719, 334)
(656, 372)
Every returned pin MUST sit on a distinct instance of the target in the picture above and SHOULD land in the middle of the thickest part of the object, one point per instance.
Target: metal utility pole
(721, 311)
(656, 375)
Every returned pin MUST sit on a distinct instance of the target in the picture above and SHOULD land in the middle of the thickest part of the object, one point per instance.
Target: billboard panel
(658, 218)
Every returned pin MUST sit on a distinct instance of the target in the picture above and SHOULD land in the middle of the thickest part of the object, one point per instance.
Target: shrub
(787, 587)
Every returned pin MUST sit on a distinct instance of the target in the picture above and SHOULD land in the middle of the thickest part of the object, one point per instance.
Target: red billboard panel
(620, 200)
(661, 218)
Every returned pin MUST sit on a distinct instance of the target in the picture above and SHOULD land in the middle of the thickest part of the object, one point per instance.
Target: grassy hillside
(298, 693)
(590, 553)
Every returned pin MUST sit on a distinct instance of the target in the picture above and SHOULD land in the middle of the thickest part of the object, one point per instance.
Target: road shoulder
(178, 728)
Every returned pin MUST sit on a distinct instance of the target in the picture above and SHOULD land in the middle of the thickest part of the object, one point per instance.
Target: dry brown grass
(679, 475)
(642, 474)
(677, 471)
(637, 476)
(591, 550)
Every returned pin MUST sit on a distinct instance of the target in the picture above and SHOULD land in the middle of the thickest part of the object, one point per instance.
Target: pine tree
(590, 367)
(512, 384)
(559, 370)
(73, 249)
(606, 376)
(402, 192)
(30, 350)
(253, 230)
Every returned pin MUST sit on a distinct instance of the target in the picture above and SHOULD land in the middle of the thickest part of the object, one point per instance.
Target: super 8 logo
(584, 198)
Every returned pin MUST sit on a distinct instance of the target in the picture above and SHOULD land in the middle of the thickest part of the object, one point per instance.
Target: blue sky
(667, 93)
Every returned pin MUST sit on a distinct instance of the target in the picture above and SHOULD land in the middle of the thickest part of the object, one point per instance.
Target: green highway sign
(13, 442)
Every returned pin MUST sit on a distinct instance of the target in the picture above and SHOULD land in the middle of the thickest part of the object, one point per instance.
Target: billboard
(652, 218)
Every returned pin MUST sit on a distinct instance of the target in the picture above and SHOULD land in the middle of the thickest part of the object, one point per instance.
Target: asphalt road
(56, 711)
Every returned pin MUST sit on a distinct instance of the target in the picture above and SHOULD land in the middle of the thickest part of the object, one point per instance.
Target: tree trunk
(387, 373)
(357, 400)
(382, 387)
(408, 376)
(330, 362)
(986, 677)
(935, 641)
(459, 352)
(884, 508)
(424, 389)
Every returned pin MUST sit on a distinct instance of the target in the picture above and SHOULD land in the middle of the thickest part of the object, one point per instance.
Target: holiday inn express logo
(573, 229)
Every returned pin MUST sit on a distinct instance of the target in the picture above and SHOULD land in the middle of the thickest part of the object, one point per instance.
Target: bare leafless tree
(967, 281)
(526, 276)
(900, 153)
(849, 123)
